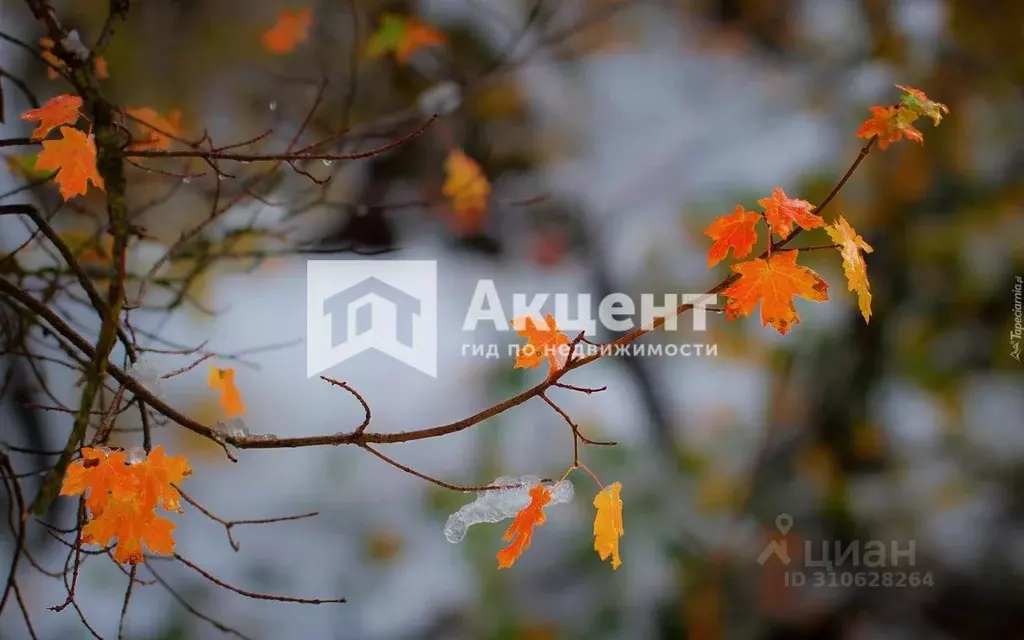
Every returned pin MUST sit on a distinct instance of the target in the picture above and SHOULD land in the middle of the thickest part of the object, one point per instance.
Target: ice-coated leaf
(500, 504)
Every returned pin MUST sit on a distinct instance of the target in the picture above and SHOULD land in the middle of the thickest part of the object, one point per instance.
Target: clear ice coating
(135, 455)
(443, 99)
(146, 372)
(234, 428)
(499, 504)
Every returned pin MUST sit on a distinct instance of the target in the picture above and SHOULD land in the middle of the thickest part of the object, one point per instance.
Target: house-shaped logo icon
(370, 294)
(384, 305)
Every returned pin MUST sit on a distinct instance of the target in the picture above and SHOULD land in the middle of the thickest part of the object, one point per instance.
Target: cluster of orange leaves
(73, 156)
(547, 342)
(57, 65)
(122, 499)
(774, 281)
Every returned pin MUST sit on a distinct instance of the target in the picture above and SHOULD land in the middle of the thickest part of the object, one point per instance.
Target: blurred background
(612, 133)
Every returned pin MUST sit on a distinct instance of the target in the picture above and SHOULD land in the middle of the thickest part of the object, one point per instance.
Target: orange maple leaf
(134, 525)
(102, 473)
(890, 124)
(57, 111)
(224, 381)
(157, 129)
(732, 231)
(468, 189)
(782, 212)
(291, 29)
(540, 343)
(520, 532)
(773, 282)
(74, 158)
(850, 246)
(156, 476)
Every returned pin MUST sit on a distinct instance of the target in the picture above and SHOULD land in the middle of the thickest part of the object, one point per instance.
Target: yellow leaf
(608, 523)
(468, 189)
(850, 246)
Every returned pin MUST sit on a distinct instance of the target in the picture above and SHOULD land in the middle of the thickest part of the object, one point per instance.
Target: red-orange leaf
(773, 283)
(291, 29)
(224, 381)
(520, 532)
(57, 111)
(782, 212)
(543, 342)
(732, 231)
(74, 156)
(156, 129)
(890, 124)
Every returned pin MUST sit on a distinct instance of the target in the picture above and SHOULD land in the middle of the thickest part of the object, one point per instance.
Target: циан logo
(354, 306)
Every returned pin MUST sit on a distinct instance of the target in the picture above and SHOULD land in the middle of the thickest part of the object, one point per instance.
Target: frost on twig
(145, 372)
(498, 504)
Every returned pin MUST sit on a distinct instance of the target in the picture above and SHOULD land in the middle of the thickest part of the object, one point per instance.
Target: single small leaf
(74, 158)
(915, 100)
(224, 381)
(543, 342)
(468, 189)
(156, 129)
(608, 523)
(290, 30)
(732, 231)
(890, 124)
(57, 111)
(850, 246)
(520, 532)
(782, 212)
(102, 70)
(402, 36)
(773, 283)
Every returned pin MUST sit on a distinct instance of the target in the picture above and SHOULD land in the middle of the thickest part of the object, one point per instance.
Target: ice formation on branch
(498, 504)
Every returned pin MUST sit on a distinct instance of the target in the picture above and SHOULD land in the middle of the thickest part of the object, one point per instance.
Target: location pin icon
(784, 522)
